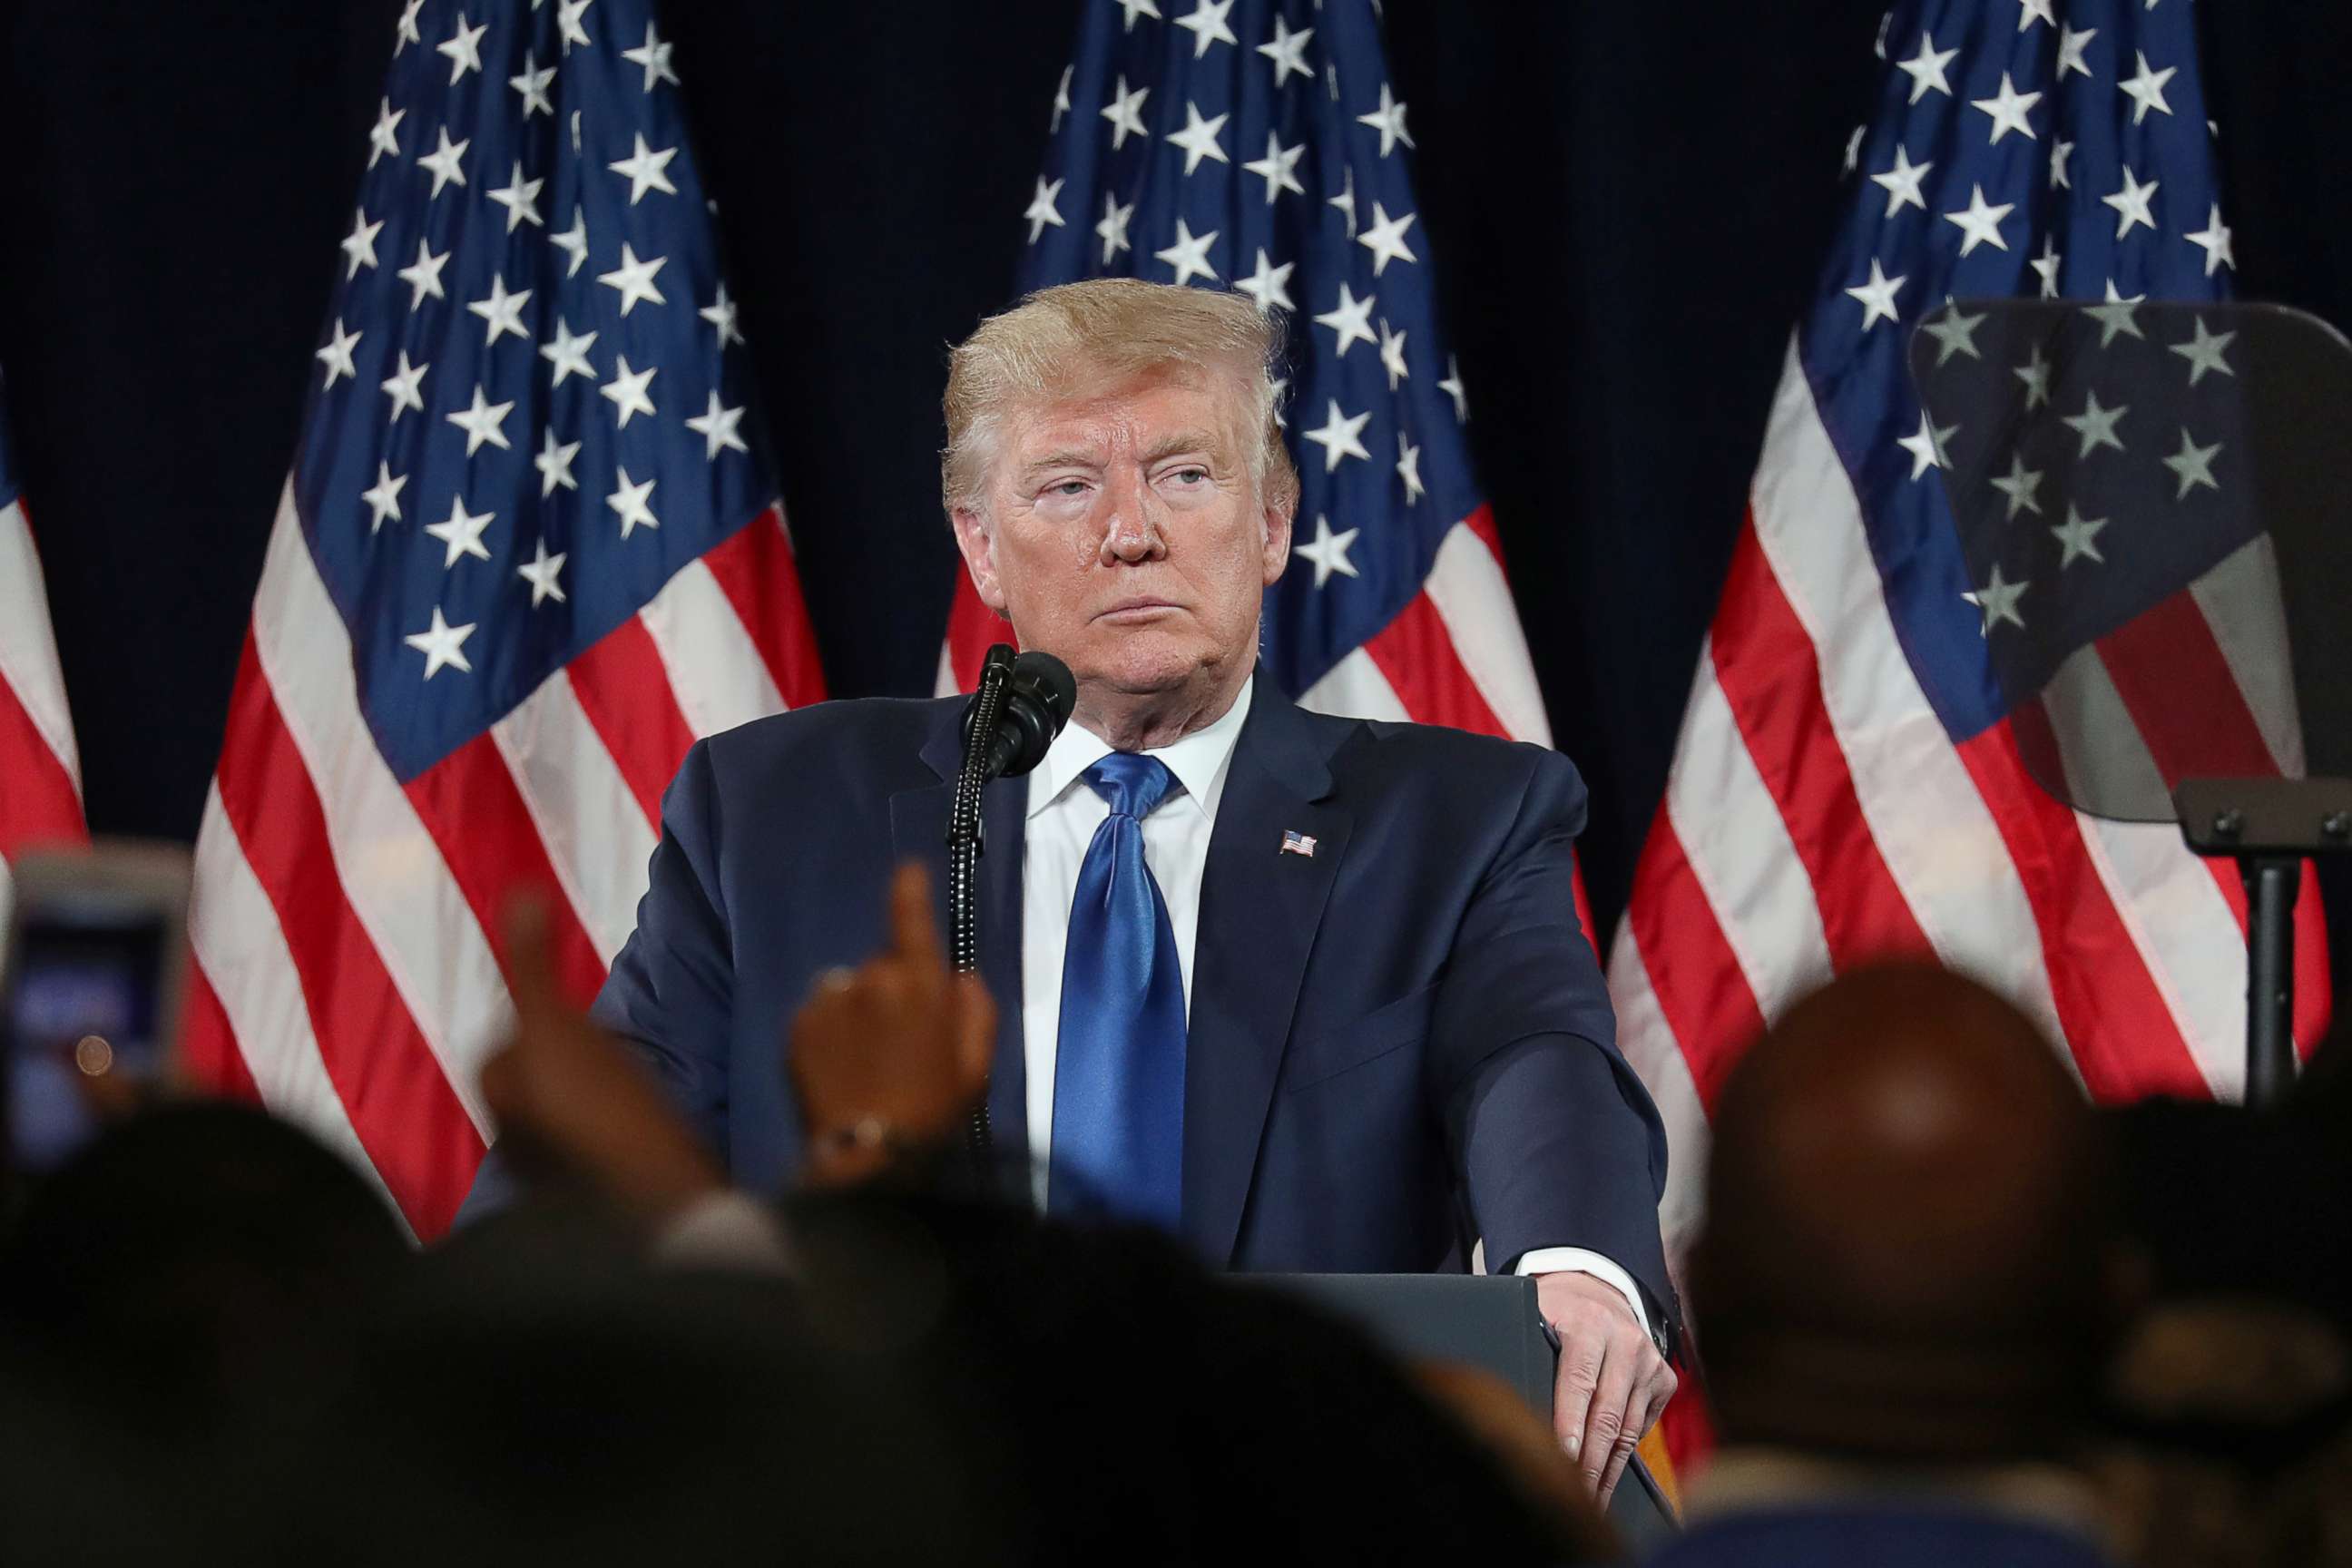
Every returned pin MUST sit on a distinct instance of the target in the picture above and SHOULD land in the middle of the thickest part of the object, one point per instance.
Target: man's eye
(1190, 476)
(1070, 488)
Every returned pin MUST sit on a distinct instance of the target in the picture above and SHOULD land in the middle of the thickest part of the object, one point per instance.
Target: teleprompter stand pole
(2271, 882)
(2268, 826)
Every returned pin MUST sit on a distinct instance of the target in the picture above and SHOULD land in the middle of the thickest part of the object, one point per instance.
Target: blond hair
(1076, 334)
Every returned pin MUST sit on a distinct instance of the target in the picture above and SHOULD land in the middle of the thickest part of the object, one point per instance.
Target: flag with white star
(530, 550)
(40, 769)
(1850, 782)
(1259, 145)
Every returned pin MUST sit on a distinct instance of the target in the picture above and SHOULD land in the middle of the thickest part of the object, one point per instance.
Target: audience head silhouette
(197, 1259)
(1906, 1243)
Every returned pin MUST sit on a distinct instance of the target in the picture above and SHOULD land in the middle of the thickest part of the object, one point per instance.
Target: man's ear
(1276, 536)
(978, 542)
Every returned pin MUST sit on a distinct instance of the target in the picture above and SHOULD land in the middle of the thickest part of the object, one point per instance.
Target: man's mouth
(1141, 607)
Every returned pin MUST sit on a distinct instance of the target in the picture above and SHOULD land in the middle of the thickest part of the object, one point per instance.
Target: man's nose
(1134, 532)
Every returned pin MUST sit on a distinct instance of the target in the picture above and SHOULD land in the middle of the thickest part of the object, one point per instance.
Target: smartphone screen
(83, 999)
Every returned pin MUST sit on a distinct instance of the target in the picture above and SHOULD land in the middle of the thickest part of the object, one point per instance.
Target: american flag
(40, 773)
(1259, 145)
(530, 550)
(1849, 781)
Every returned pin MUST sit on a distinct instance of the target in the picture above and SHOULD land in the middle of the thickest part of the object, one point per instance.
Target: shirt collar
(1200, 760)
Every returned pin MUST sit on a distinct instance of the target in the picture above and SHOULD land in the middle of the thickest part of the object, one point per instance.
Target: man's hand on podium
(1612, 1381)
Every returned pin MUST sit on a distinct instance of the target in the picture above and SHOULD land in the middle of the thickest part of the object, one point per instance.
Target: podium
(2150, 502)
(1487, 1321)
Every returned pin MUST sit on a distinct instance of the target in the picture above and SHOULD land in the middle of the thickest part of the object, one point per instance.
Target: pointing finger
(531, 963)
(914, 929)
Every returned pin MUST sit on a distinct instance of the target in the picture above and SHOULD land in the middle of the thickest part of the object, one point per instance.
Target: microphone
(1019, 705)
(1039, 694)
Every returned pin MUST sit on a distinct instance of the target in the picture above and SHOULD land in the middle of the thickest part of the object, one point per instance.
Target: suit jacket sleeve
(1556, 1140)
(671, 992)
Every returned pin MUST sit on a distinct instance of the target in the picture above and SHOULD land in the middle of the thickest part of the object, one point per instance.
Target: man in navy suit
(1310, 991)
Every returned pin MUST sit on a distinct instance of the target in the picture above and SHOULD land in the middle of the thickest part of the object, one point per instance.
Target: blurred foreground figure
(175, 1303)
(2232, 1437)
(197, 1262)
(1139, 1410)
(1902, 1291)
(2229, 1408)
(547, 1398)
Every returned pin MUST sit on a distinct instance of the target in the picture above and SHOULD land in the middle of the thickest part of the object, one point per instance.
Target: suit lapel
(918, 827)
(1260, 909)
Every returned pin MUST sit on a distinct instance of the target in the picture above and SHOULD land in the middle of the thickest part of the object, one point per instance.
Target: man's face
(1125, 535)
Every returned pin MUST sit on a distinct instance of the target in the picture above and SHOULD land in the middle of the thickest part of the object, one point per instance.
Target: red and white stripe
(345, 924)
(1817, 816)
(40, 771)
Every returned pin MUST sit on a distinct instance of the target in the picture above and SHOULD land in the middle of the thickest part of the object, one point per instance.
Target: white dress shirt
(1064, 812)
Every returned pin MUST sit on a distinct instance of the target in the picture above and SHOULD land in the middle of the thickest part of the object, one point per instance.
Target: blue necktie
(1118, 1068)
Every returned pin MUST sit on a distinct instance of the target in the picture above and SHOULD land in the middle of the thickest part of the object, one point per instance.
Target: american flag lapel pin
(1298, 844)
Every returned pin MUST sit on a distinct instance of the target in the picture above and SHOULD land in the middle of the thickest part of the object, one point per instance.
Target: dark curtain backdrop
(1625, 205)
